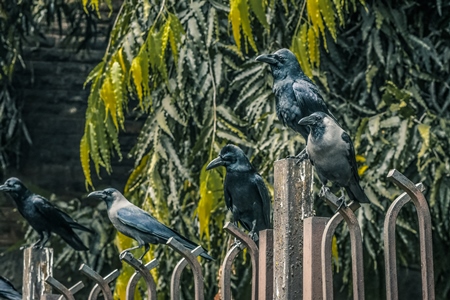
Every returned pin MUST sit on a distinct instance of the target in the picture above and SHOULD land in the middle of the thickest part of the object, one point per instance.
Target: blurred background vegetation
(188, 70)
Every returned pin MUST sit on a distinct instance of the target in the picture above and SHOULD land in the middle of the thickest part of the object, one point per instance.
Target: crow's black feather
(246, 195)
(43, 216)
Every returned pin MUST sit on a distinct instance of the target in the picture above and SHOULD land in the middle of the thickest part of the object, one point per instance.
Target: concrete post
(37, 266)
(293, 202)
(265, 278)
(313, 228)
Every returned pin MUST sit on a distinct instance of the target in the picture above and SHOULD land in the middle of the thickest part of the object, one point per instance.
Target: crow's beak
(97, 195)
(215, 163)
(306, 121)
(267, 58)
(4, 188)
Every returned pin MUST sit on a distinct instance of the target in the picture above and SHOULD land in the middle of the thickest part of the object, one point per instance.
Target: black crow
(295, 94)
(7, 290)
(331, 151)
(43, 216)
(245, 193)
(137, 223)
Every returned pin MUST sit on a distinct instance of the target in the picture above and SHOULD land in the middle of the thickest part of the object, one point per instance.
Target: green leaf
(171, 110)
(162, 123)
(258, 7)
(424, 131)
(210, 193)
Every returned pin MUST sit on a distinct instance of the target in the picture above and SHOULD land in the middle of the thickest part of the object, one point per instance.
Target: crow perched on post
(7, 290)
(245, 193)
(43, 216)
(295, 94)
(137, 223)
(331, 151)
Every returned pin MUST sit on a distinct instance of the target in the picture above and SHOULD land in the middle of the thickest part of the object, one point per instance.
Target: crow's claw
(323, 191)
(236, 242)
(341, 202)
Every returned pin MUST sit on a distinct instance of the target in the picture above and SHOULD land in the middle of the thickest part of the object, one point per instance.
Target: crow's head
(283, 63)
(318, 122)
(315, 119)
(232, 158)
(14, 186)
(108, 195)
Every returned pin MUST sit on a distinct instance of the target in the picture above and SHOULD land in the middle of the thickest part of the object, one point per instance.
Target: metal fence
(287, 264)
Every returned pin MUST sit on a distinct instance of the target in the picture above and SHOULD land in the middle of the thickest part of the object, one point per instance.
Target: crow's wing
(308, 98)
(50, 212)
(141, 220)
(59, 222)
(265, 198)
(228, 199)
(351, 156)
(7, 290)
(46, 206)
(354, 186)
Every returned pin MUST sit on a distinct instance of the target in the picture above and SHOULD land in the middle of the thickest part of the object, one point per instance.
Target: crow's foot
(301, 156)
(341, 202)
(124, 253)
(323, 191)
(253, 236)
(236, 243)
(37, 245)
(24, 247)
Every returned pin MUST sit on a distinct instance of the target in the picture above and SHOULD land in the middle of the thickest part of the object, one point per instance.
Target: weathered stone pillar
(313, 228)
(293, 202)
(37, 266)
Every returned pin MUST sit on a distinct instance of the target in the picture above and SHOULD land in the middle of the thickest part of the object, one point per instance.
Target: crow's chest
(239, 189)
(30, 212)
(287, 108)
(330, 159)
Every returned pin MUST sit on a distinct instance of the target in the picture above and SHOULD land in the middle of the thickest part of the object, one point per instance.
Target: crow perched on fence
(245, 193)
(7, 290)
(295, 94)
(43, 216)
(137, 223)
(331, 151)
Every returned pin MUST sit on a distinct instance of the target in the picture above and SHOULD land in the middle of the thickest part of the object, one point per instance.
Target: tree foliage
(23, 23)
(189, 68)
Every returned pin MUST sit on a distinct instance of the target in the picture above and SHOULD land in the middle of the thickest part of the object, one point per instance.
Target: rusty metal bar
(66, 293)
(425, 239)
(175, 282)
(141, 271)
(347, 214)
(102, 283)
(265, 264)
(292, 203)
(252, 250)
(194, 264)
(313, 228)
(390, 255)
(225, 279)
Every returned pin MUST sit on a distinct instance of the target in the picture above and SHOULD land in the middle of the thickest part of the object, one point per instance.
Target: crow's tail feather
(191, 246)
(78, 226)
(356, 193)
(74, 241)
(10, 295)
